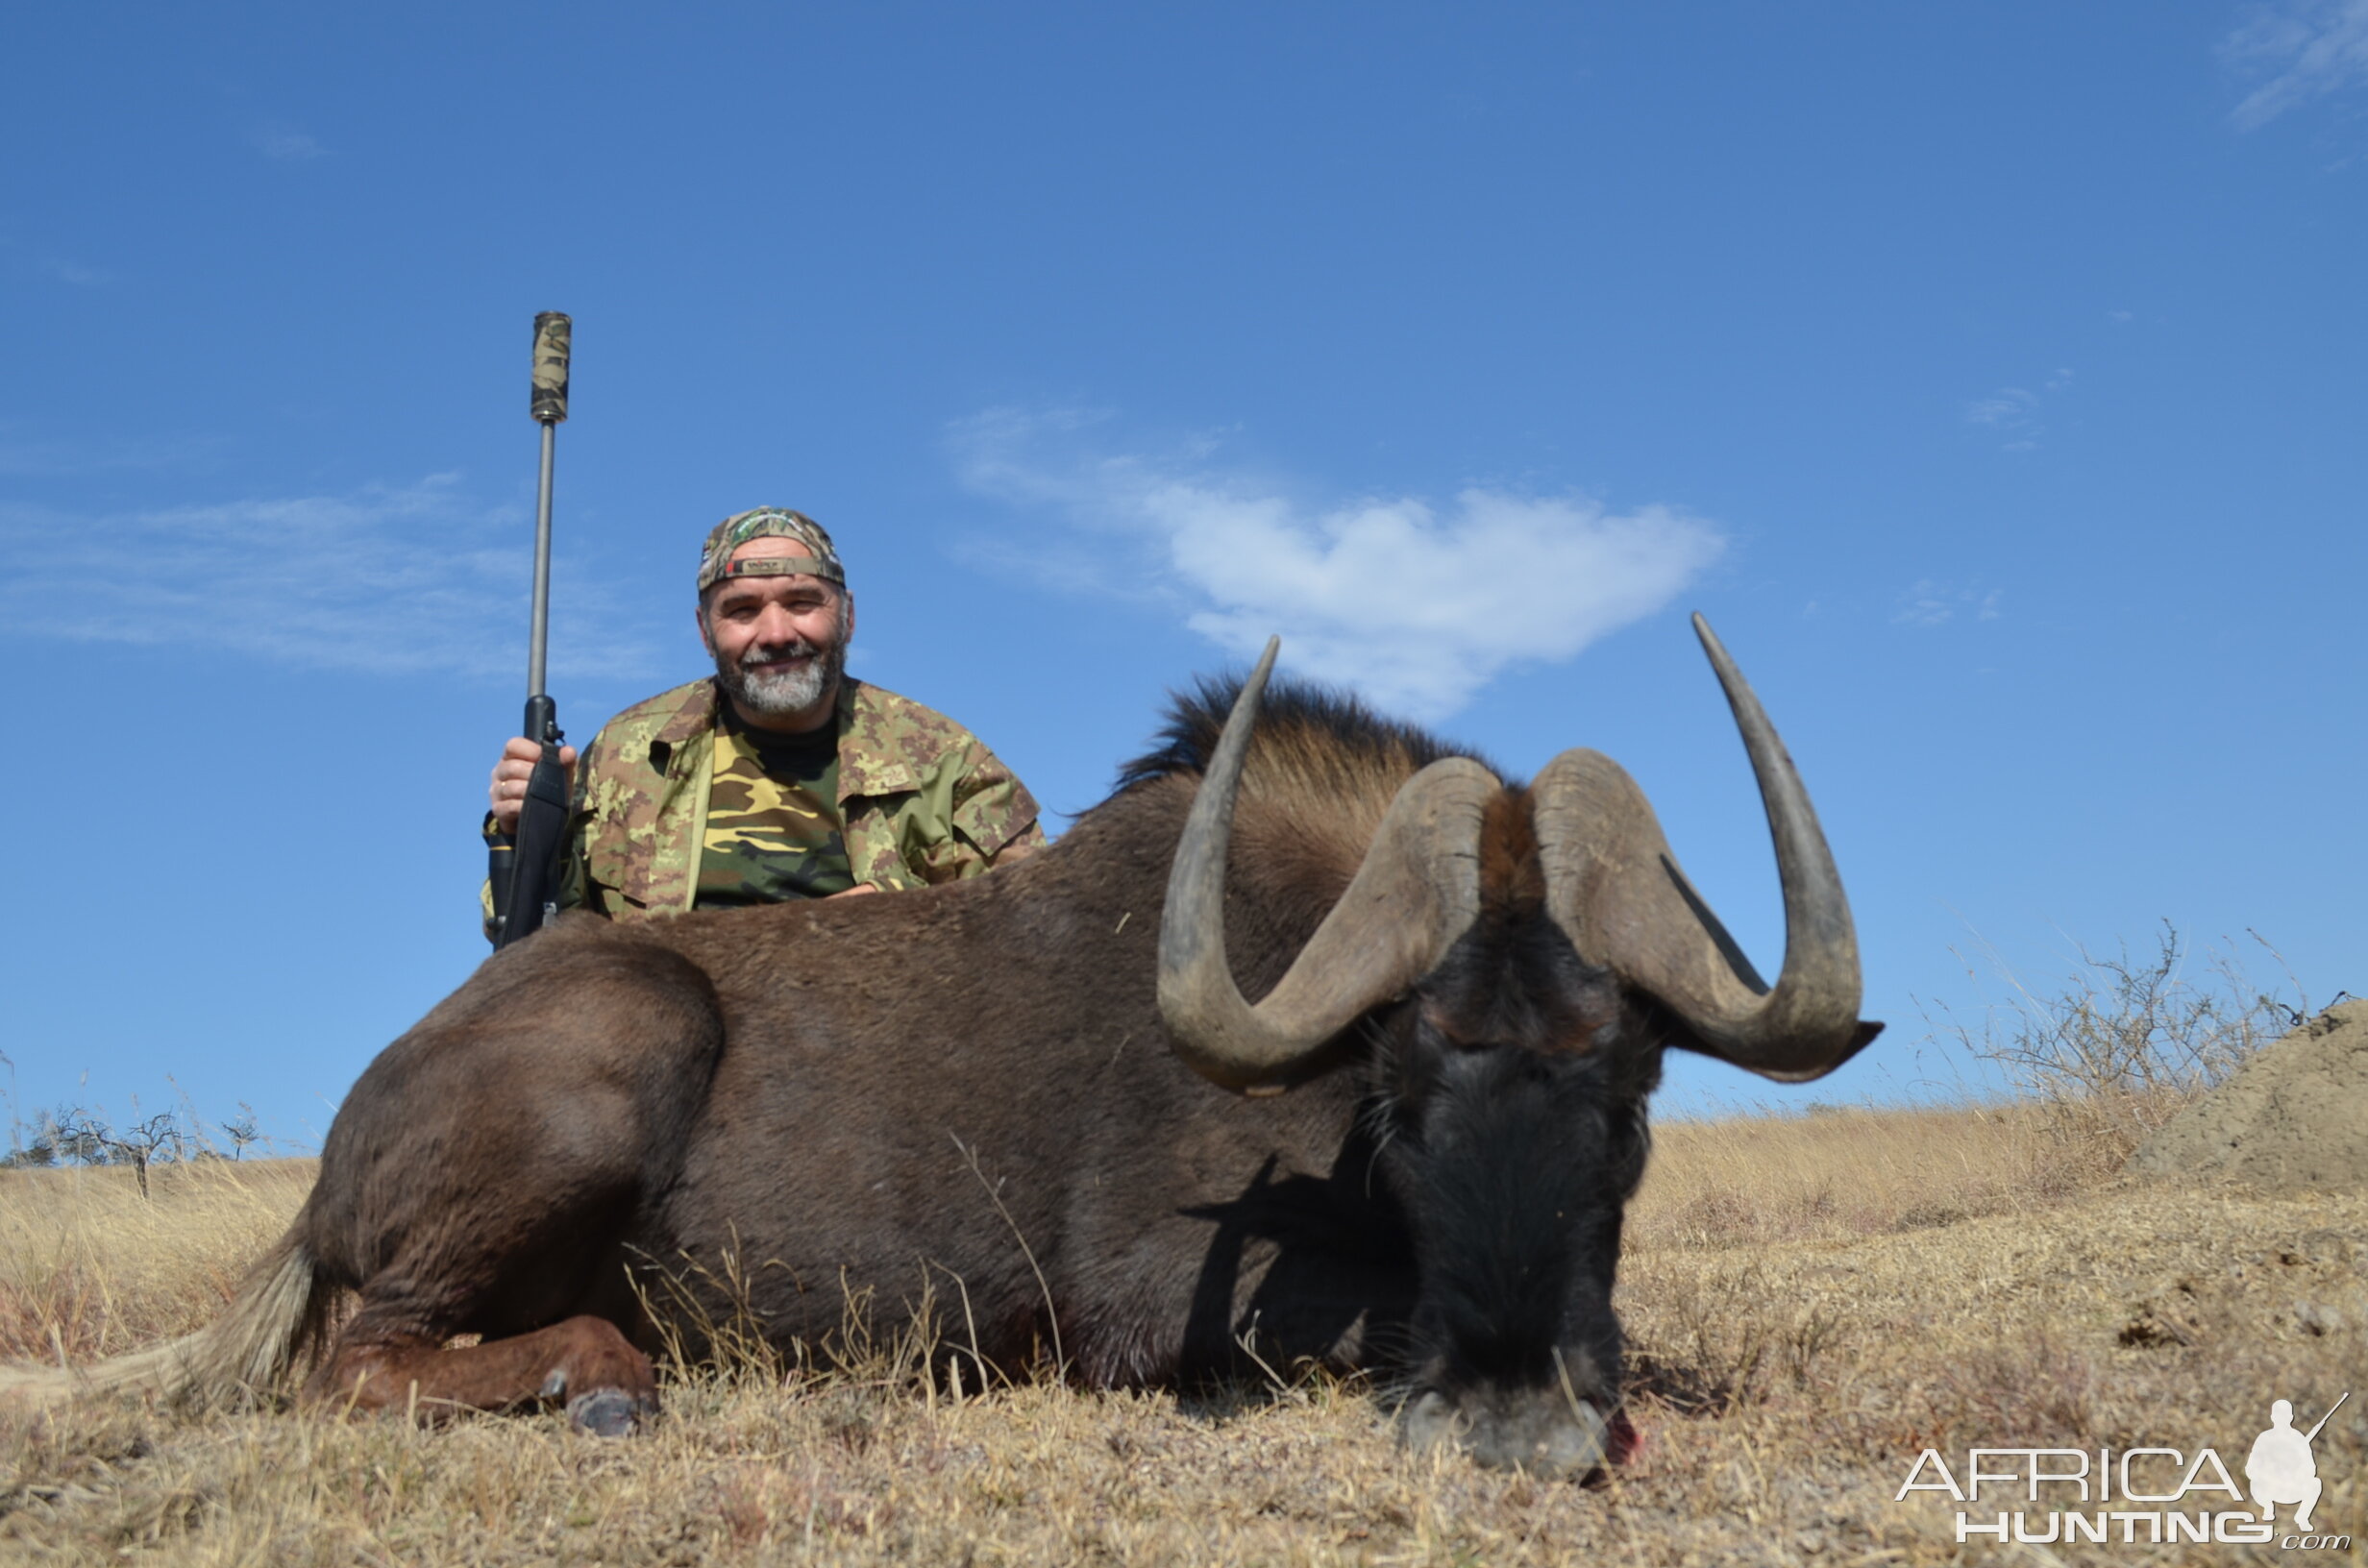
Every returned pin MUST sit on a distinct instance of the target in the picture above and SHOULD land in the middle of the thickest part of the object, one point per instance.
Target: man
(782, 776)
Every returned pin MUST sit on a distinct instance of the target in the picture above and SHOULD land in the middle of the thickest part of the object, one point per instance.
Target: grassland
(1813, 1301)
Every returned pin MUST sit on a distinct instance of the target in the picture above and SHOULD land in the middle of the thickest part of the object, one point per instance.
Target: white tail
(245, 1353)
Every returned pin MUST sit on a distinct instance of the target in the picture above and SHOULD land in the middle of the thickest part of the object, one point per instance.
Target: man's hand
(509, 791)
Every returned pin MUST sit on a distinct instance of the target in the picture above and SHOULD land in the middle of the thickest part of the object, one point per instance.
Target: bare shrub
(2116, 1048)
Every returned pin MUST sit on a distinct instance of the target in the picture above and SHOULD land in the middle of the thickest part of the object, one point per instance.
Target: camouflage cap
(715, 562)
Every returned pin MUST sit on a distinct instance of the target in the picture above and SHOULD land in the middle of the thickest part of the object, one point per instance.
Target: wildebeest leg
(605, 1384)
(490, 1168)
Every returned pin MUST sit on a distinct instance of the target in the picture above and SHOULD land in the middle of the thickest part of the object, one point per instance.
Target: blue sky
(1993, 377)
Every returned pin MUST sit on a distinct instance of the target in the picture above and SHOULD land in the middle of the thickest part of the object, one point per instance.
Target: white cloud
(392, 582)
(2309, 49)
(1928, 603)
(1415, 604)
(2005, 408)
(2012, 412)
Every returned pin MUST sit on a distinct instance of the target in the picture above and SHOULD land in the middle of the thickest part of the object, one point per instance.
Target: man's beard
(779, 694)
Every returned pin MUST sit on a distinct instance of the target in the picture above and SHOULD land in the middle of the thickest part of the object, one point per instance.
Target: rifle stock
(529, 894)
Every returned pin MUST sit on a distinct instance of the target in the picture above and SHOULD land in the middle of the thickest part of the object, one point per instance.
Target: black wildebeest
(1047, 1086)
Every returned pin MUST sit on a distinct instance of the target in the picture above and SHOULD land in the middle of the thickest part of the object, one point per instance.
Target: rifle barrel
(540, 636)
(547, 400)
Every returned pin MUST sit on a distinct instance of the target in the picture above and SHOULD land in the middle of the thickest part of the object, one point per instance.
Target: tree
(77, 1136)
(142, 1142)
(28, 1155)
(241, 1130)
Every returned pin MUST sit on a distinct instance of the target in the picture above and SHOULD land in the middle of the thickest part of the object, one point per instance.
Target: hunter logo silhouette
(2280, 1469)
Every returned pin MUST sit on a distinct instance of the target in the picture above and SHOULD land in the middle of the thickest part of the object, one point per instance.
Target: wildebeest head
(1516, 959)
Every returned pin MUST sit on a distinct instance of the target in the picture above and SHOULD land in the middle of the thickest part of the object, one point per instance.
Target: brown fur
(1511, 877)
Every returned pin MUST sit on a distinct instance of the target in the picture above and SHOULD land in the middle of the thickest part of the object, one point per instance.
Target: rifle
(522, 867)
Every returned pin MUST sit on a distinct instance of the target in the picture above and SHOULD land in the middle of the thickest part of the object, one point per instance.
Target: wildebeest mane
(1322, 770)
(1303, 726)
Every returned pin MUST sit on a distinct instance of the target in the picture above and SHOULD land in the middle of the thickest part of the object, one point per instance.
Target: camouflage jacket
(923, 799)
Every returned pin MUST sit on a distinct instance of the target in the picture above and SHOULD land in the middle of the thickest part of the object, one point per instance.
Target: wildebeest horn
(1616, 890)
(1416, 893)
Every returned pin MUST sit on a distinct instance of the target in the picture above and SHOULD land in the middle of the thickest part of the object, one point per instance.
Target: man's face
(780, 643)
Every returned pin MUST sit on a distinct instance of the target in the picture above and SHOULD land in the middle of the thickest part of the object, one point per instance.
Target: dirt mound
(2296, 1115)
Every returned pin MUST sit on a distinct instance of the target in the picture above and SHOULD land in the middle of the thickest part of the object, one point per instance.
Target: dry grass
(1847, 1173)
(1813, 1300)
(88, 1268)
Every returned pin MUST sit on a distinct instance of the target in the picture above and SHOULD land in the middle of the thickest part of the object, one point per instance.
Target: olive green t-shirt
(774, 830)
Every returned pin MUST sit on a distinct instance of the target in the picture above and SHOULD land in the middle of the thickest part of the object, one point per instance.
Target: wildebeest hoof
(1543, 1435)
(605, 1412)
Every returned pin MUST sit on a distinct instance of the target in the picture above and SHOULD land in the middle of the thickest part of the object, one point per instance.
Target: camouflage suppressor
(548, 400)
